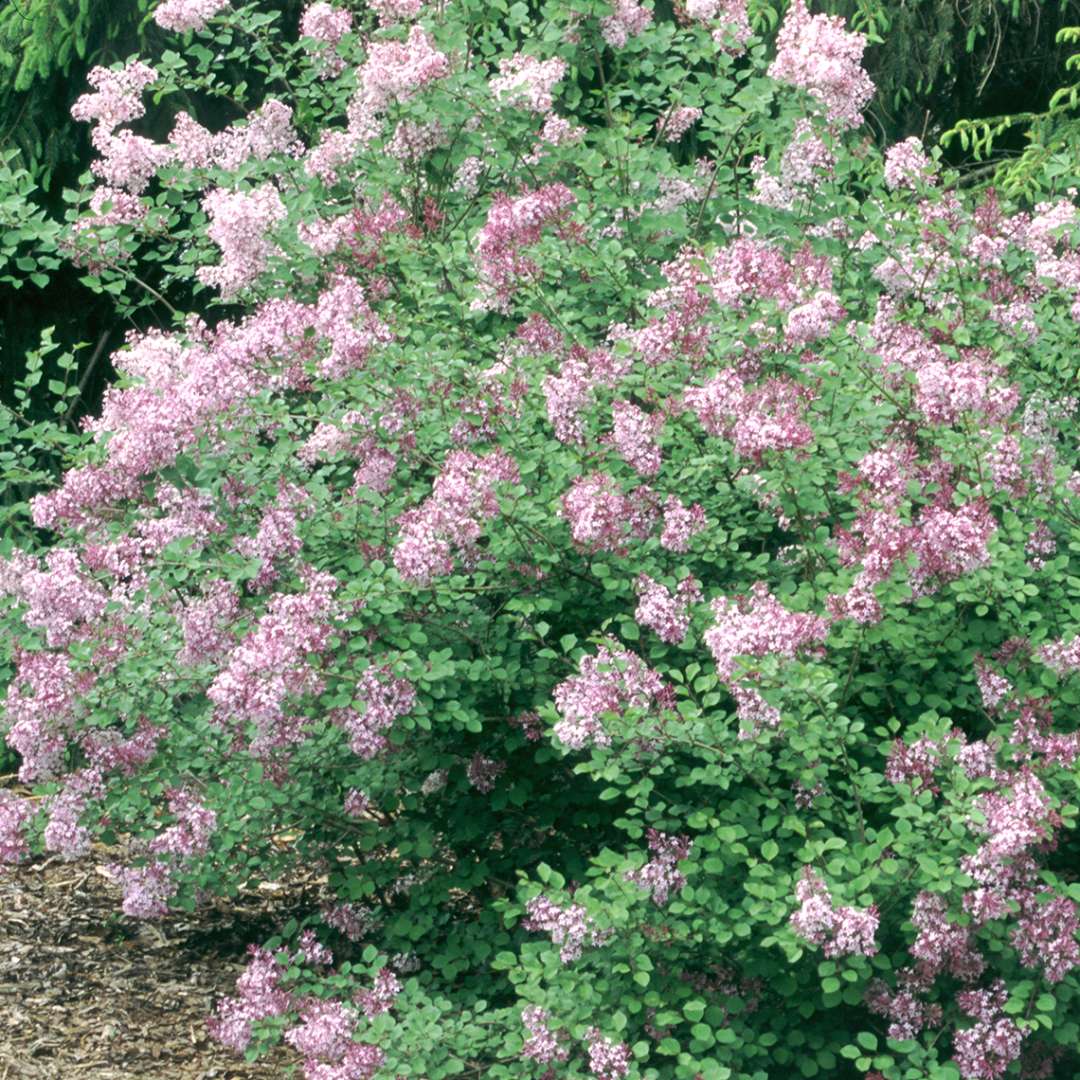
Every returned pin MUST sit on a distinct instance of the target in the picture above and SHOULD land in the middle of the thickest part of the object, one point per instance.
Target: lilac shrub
(618, 528)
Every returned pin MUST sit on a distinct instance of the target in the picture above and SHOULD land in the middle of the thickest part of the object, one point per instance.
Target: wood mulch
(87, 994)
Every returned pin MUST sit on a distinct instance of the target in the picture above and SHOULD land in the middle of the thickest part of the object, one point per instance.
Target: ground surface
(86, 994)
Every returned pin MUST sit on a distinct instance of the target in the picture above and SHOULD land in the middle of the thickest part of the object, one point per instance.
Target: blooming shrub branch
(572, 490)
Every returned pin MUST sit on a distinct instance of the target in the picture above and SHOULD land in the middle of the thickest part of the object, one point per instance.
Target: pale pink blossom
(660, 875)
(816, 53)
(183, 15)
(608, 1060)
(627, 20)
(542, 1045)
(663, 612)
(570, 928)
(759, 625)
(240, 222)
(613, 681)
(906, 165)
(527, 83)
(677, 122)
(843, 931)
(117, 97)
(635, 437)
(380, 998)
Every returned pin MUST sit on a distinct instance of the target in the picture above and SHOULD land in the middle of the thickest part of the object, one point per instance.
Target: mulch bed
(87, 994)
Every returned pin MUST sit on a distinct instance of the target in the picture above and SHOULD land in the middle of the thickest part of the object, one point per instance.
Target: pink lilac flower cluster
(728, 20)
(915, 763)
(146, 889)
(907, 1013)
(1061, 656)
(612, 681)
(681, 524)
(40, 711)
(941, 943)
(361, 1061)
(325, 1029)
(759, 625)
(986, 1050)
(191, 832)
(837, 931)
(749, 270)
(356, 803)
(117, 97)
(947, 542)
(627, 20)
(951, 543)
(207, 622)
(816, 53)
(994, 688)
(680, 329)
(677, 122)
(109, 207)
(239, 224)
(1018, 820)
(635, 436)
(663, 612)
(311, 951)
(65, 833)
(382, 995)
(907, 166)
(661, 875)
(1046, 934)
(608, 1060)
(531, 725)
(756, 419)
(515, 223)
(270, 667)
(450, 519)
(277, 540)
(351, 920)
(557, 131)
(128, 161)
(813, 320)
(569, 392)
(394, 71)
(807, 161)
(62, 599)
(259, 997)
(1041, 545)
(326, 24)
(344, 319)
(396, 11)
(527, 83)
(945, 391)
(386, 698)
(602, 517)
(263, 133)
(180, 390)
(543, 1044)
(570, 928)
(1049, 238)
(184, 15)
(15, 813)
(482, 772)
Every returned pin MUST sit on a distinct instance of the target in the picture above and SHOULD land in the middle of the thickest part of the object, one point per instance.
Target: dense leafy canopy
(590, 503)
